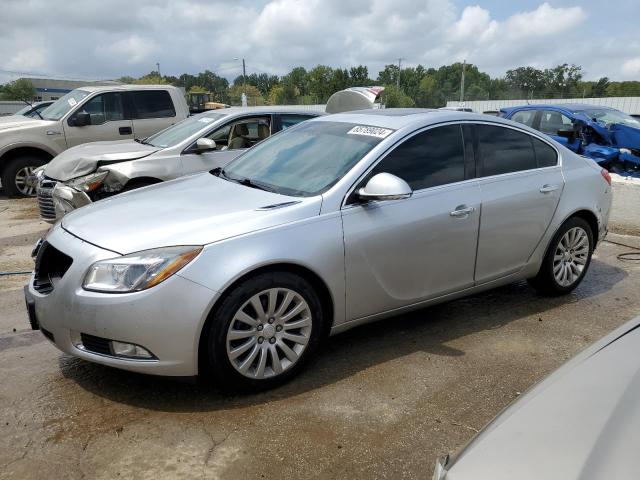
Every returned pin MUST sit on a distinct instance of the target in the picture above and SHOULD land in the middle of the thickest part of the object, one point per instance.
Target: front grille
(47, 334)
(45, 199)
(95, 344)
(51, 265)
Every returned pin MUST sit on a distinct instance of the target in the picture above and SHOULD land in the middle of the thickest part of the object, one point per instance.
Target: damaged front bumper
(56, 199)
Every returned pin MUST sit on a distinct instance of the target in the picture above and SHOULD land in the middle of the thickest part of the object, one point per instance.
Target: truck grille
(45, 199)
(51, 264)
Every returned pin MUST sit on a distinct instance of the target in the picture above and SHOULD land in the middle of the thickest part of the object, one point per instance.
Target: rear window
(503, 150)
(152, 104)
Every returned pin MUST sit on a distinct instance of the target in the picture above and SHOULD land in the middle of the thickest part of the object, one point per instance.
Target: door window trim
(88, 98)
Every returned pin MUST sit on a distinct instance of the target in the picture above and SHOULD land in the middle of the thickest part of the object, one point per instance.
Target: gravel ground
(381, 401)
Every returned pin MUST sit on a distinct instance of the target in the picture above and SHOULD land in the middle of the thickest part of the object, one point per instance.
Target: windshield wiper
(219, 172)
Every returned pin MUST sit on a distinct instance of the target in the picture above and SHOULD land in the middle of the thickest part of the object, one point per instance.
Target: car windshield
(306, 159)
(175, 134)
(610, 117)
(23, 110)
(60, 107)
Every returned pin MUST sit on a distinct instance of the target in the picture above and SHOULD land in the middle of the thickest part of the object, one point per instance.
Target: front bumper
(55, 199)
(166, 319)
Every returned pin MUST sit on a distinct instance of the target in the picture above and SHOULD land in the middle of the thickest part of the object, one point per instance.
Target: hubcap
(269, 333)
(23, 184)
(571, 256)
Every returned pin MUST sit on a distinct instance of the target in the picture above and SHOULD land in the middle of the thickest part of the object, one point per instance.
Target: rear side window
(545, 155)
(503, 150)
(525, 117)
(152, 104)
(428, 159)
(290, 120)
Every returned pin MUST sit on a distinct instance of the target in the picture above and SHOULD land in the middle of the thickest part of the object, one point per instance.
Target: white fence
(10, 107)
(630, 105)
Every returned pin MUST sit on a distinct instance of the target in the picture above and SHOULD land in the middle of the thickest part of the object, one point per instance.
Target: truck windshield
(175, 134)
(306, 159)
(611, 117)
(60, 107)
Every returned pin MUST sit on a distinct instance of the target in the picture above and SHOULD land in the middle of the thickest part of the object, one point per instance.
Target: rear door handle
(125, 130)
(462, 211)
(548, 188)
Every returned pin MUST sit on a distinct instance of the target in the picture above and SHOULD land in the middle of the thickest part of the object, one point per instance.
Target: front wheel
(264, 331)
(567, 259)
(16, 176)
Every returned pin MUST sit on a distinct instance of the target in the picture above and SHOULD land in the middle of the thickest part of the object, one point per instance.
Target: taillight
(606, 176)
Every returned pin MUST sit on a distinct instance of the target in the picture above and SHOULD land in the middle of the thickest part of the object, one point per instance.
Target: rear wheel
(567, 259)
(16, 176)
(264, 331)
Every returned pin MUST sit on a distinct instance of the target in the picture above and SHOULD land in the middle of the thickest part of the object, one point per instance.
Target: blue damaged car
(607, 135)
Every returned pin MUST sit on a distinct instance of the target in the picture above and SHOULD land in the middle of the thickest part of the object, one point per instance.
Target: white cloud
(110, 38)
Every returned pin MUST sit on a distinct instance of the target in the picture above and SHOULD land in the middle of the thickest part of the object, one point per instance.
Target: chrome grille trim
(45, 199)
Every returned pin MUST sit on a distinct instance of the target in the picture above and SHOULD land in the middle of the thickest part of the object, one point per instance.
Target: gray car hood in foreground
(84, 159)
(193, 210)
(581, 423)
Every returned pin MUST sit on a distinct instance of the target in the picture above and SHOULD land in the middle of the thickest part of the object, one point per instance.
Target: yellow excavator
(202, 101)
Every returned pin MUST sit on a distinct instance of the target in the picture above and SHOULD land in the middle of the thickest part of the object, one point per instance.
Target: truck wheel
(16, 174)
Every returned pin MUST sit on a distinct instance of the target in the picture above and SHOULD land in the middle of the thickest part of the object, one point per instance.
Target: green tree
(319, 81)
(284, 94)
(151, 78)
(254, 97)
(392, 97)
(359, 76)
(298, 77)
(21, 89)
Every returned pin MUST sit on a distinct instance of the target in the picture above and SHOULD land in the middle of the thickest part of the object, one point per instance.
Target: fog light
(123, 349)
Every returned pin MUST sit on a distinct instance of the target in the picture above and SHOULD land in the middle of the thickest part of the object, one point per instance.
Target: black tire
(545, 282)
(11, 185)
(220, 367)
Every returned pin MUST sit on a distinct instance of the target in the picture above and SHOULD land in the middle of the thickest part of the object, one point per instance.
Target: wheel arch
(142, 180)
(312, 277)
(22, 150)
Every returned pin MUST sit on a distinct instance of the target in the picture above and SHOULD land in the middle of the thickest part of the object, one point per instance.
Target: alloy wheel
(269, 333)
(571, 256)
(23, 183)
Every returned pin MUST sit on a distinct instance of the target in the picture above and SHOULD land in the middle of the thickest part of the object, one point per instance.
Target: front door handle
(462, 211)
(125, 130)
(548, 188)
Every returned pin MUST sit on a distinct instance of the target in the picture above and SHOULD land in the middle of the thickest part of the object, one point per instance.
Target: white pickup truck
(87, 114)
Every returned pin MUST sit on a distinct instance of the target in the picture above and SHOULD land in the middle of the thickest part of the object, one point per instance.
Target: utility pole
(158, 65)
(464, 64)
(398, 77)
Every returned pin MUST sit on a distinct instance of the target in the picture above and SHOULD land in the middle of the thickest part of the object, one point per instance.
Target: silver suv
(87, 114)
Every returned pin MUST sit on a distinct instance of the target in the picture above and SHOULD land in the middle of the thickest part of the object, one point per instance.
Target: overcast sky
(97, 39)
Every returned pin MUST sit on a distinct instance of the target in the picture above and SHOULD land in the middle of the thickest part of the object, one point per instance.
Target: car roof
(292, 109)
(397, 118)
(565, 107)
(122, 87)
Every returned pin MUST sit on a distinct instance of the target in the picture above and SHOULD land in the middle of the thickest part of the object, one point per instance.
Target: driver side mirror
(568, 133)
(385, 186)
(80, 119)
(205, 145)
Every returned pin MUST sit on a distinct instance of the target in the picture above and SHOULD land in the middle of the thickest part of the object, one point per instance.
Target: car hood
(193, 210)
(84, 159)
(14, 122)
(581, 423)
(625, 136)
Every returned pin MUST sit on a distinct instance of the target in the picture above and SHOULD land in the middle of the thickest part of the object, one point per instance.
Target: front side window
(243, 133)
(179, 132)
(525, 117)
(428, 159)
(106, 107)
(504, 150)
(152, 104)
(307, 159)
(60, 107)
(551, 122)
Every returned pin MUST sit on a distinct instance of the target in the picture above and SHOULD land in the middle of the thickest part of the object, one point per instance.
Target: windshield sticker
(206, 120)
(370, 131)
(72, 102)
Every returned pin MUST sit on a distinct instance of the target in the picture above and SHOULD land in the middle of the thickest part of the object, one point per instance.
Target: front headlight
(138, 271)
(88, 183)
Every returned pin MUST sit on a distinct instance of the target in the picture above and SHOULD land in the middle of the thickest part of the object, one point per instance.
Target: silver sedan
(239, 273)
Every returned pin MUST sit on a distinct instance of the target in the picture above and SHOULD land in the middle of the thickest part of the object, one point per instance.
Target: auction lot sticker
(370, 131)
